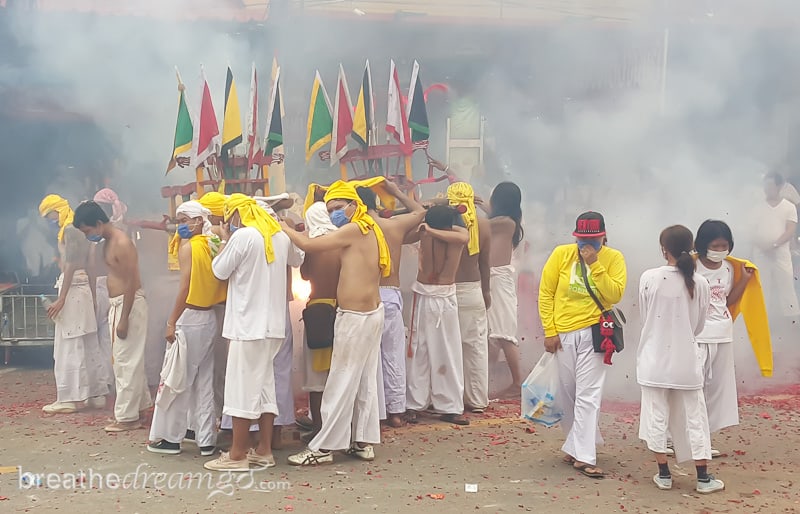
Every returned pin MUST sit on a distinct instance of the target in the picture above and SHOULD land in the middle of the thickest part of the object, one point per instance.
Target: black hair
(89, 214)
(709, 231)
(677, 240)
(369, 198)
(441, 217)
(506, 200)
(775, 177)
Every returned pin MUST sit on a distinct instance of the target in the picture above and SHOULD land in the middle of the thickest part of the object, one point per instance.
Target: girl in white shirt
(713, 244)
(673, 301)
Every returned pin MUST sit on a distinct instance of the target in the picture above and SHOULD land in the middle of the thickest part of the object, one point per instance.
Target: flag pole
(407, 161)
(343, 170)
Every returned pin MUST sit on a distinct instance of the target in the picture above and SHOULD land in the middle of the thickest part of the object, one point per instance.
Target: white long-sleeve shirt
(671, 320)
(256, 304)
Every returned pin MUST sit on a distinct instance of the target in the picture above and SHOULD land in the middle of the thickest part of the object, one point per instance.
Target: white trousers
(220, 360)
(719, 388)
(474, 343)
(680, 413)
(350, 400)
(103, 333)
(250, 379)
(133, 396)
(435, 365)
(393, 349)
(282, 364)
(581, 375)
(502, 315)
(170, 424)
(777, 275)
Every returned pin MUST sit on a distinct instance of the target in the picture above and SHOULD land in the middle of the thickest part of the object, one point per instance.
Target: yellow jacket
(564, 304)
(754, 311)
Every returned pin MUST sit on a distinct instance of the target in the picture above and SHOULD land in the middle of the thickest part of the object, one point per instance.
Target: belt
(326, 301)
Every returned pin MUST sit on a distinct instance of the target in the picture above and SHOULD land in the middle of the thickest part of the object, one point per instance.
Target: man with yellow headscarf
(253, 260)
(80, 376)
(350, 411)
(473, 296)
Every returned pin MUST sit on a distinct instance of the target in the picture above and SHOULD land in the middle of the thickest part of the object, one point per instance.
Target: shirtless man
(505, 217)
(78, 370)
(474, 298)
(127, 316)
(435, 365)
(350, 417)
(393, 339)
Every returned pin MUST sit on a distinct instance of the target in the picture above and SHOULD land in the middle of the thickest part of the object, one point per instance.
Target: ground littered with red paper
(514, 466)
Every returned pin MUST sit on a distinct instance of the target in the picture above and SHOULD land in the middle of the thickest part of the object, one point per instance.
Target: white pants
(719, 389)
(282, 364)
(435, 365)
(313, 380)
(680, 413)
(103, 333)
(581, 375)
(474, 343)
(777, 275)
(393, 350)
(250, 379)
(350, 400)
(133, 396)
(502, 315)
(200, 329)
(220, 361)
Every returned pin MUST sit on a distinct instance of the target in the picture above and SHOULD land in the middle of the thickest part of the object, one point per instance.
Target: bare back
(360, 275)
(123, 264)
(503, 229)
(468, 269)
(438, 261)
(322, 270)
(394, 230)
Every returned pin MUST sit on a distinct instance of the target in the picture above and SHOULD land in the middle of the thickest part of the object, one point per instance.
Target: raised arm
(337, 239)
(456, 235)
(610, 282)
(185, 263)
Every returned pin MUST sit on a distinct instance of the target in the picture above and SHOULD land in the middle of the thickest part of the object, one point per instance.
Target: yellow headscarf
(346, 191)
(377, 184)
(461, 193)
(253, 216)
(214, 202)
(56, 203)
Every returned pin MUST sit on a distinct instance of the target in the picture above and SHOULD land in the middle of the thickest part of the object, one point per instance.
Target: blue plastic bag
(539, 393)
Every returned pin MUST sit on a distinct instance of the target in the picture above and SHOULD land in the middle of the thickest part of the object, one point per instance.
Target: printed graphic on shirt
(718, 297)
(577, 287)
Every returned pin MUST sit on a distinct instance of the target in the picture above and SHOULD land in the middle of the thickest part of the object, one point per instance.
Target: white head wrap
(318, 221)
(267, 208)
(193, 209)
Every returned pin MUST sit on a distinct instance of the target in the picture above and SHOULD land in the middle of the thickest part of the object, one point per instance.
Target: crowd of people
(229, 337)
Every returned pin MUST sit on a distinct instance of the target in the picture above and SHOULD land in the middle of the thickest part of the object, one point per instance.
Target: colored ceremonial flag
(232, 118)
(342, 119)
(206, 140)
(417, 113)
(277, 169)
(396, 119)
(183, 132)
(319, 128)
(253, 144)
(364, 117)
(274, 137)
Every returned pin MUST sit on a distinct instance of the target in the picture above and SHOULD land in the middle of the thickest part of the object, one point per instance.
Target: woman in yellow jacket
(568, 312)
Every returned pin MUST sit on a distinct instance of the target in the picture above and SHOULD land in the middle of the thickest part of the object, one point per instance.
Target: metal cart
(23, 317)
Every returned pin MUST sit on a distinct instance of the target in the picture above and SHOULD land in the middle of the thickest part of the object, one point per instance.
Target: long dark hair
(677, 240)
(506, 200)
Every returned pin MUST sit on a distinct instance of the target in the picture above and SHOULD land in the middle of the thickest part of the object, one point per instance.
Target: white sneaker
(60, 408)
(664, 484)
(309, 457)
(712, 486)
(260, 461)
(715, 453)
(224, 463)
(98, 402)
(366, 453)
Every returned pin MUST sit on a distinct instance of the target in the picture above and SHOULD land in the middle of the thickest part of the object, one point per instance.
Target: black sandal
(456, 419)
(585, 469)
(411, 417)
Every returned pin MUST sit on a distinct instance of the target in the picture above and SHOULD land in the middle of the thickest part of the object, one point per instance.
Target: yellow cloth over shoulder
(253, 216)
(52, 203)
(214, 202)
(205, 289)
(346, 191)
(754, 311)
(377, 184)
(461, 193)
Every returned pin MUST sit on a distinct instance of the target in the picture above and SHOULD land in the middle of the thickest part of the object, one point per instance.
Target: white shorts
(250, 378)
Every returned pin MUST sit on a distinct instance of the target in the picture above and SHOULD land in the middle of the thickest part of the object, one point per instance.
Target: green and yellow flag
(183, 132)
(320, 120)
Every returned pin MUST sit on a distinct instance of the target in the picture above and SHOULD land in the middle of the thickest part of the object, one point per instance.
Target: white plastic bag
(539, 392)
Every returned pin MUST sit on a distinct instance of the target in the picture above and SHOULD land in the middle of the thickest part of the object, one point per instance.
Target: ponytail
(686, 265)
(678, 241)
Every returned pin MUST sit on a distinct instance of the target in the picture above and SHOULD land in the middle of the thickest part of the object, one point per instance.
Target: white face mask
(716, 256)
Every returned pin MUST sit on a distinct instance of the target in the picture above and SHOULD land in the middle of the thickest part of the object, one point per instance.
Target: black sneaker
(164, 447)
(189, 436)
(207, 451)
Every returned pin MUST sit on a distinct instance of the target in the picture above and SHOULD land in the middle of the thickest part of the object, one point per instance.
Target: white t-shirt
(668, 355)
(719, 323)
(771, 222)
(256, 304)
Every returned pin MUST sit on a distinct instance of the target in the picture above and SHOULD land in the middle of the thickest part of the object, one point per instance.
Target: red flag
(207, 138)
(342, 119)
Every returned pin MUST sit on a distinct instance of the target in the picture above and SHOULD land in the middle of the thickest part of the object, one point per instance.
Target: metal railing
(23, 317)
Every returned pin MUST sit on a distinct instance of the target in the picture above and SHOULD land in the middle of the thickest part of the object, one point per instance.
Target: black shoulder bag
(607, 335)
(319, 319)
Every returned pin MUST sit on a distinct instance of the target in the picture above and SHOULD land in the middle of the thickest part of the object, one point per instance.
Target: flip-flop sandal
(411, 417)
(584, 468)
(455, 419)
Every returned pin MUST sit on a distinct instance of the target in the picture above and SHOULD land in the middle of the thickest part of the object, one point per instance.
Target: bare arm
(75, 255)
(185, 262)
(484, 259)
(456, 235)
(335, 240)
(788, 234)
(128, 264)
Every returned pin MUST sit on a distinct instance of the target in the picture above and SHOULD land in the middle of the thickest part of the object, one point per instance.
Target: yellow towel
(55, 203)
(214, 202)
(346, 191)
(461, 193)
(253, 216)
(321, 357)
(754, 311)
(377, 184)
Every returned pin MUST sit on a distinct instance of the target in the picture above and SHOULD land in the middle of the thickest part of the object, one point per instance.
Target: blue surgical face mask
(233, 228)
(94, 238)
(184, 231)
(339, 218)
(591, 242)
(53, 224)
